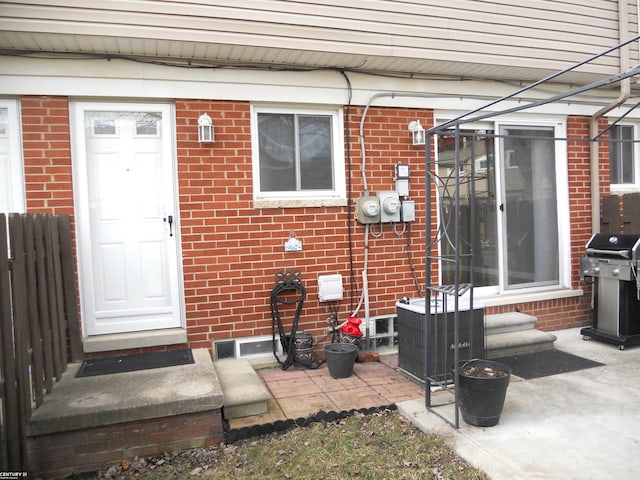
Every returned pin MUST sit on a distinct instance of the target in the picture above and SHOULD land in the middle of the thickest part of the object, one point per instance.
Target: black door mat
(131, 363)
(546, 363)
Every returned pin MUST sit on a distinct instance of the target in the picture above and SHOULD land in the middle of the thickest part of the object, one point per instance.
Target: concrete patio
(577, 425)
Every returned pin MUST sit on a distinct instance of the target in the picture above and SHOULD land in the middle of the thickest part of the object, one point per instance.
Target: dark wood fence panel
(42, 298)
(11, 450)
(631, 213)
(39, 329)
(610, 220)
(20, 305)
(69, 288)
(621, 213)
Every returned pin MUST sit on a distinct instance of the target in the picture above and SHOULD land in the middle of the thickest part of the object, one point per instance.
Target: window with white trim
(623, 157)
(298, 155)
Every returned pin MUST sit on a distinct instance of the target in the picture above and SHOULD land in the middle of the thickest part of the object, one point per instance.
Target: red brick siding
(47, 154)
(63, 454)
(231, 250)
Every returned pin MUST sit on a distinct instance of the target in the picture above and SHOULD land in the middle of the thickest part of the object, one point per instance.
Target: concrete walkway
(578, 425)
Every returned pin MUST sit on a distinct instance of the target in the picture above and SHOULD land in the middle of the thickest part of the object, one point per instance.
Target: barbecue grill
(612, 260)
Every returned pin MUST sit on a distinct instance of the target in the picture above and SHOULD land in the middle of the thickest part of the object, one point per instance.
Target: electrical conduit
(364, 297)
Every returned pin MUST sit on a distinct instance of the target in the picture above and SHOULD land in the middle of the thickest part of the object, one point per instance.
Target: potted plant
(340, 358)
(482, 387)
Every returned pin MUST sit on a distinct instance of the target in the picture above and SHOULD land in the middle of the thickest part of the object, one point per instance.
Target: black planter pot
(482, 390)
(340, 358)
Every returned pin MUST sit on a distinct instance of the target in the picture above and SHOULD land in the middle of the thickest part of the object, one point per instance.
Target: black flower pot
(340, 358)
(482, 389)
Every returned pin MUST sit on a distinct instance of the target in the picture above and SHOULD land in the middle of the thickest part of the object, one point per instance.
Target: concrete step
(88, 423)
(244, 392)
(516, 343)
(508, 322)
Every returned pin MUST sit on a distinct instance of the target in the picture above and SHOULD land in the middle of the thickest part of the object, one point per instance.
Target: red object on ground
(352, 327)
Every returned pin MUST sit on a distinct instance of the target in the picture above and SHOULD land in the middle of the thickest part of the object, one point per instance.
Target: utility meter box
(368, 209)
(389, 206)
(330, 288)
(408, 211)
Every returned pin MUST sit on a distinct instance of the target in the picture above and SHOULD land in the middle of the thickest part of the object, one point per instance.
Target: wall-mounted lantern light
(417, 132)
(205, 129)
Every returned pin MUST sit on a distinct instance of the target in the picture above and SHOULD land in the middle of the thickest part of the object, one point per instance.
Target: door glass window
(476, 152)
(510, 238)
(530, 206)
(147, 124)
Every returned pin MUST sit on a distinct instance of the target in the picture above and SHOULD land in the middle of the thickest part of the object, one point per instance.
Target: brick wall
(231, 250)
(47, 154)
(60, 455)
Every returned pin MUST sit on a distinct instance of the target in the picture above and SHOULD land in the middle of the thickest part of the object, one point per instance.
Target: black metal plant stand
(442, 302)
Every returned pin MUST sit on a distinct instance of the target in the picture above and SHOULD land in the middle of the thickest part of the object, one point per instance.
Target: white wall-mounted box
(330, 288)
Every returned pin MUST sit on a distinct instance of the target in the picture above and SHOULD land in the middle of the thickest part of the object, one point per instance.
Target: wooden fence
(39, 326)
(621, 213)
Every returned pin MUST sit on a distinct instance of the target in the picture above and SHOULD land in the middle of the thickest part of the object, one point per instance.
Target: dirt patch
(376, 446)
(482, 372)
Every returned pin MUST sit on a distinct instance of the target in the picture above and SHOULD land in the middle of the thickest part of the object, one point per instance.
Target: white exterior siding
(460, 37)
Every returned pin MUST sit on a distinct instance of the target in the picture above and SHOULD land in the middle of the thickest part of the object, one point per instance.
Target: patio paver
(304, 392)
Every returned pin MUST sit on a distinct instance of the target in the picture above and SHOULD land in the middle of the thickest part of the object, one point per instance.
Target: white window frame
(562, 199)
(635, 185)
(310, 198)
(15, 193)
(559, 125)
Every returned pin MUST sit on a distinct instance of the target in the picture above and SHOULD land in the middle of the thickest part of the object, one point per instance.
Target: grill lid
(620, 245)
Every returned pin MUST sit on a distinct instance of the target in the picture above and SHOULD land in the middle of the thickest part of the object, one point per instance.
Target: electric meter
(368, 209)
(389, 206)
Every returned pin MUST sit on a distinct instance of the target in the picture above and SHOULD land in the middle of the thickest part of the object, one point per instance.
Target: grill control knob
(615, 272)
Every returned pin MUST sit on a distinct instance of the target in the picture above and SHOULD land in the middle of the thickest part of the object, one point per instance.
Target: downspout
(625, 90)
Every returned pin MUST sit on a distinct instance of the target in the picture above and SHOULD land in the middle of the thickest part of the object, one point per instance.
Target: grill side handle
(615, 253)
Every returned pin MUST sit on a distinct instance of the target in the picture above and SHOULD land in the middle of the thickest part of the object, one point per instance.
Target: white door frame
(12, 183)
(82, 213)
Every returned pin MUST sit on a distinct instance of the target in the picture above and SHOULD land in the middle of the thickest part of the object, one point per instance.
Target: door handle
(170, 220)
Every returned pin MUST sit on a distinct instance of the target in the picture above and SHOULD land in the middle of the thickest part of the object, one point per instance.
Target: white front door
(125, 193)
